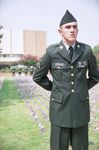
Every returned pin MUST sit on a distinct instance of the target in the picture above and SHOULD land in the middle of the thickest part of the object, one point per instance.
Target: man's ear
(77, 31)
(59, 31)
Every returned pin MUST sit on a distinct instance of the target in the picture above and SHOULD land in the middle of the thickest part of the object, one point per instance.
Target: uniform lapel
(77, 52)
(63, 52)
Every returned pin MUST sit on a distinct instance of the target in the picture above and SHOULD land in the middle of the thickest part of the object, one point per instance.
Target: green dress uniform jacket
(69, 100)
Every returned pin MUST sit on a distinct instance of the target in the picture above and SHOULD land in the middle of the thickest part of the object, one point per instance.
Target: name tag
(59, 64)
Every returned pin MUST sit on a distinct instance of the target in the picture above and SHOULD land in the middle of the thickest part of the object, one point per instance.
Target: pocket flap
(56, 97)
(59, 65)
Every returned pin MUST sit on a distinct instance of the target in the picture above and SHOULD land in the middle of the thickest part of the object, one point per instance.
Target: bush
(96, 49)
(22, 69)
(29, 60)
(4, 68)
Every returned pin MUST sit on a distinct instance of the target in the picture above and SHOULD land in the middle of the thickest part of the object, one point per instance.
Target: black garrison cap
(67, 18)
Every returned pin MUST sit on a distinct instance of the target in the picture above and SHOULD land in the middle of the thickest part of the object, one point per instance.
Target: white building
(16, 43)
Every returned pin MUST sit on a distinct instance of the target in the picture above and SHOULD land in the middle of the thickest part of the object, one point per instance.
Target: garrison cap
(67, 18)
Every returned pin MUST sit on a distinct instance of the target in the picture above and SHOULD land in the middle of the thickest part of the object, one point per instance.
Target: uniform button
(72, 91)
(72, 82)
(52, 99)
(72, 74)
(59, 67)
(71, 67)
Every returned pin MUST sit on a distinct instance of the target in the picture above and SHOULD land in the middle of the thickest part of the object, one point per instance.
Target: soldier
(74, 71)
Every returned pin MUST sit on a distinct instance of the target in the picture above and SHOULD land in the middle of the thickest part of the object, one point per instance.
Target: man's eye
(68, 27)
(74, 26)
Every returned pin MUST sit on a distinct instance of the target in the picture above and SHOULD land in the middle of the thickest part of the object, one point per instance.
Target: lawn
(18, 131)
(19, 127)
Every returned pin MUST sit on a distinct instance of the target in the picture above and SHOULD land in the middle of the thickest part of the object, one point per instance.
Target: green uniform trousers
(61, 137)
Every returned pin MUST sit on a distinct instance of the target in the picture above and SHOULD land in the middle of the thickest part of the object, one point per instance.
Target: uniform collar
(67, 46)
(64, 53)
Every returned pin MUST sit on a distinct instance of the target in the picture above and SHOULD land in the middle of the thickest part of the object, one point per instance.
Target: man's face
(69, 32)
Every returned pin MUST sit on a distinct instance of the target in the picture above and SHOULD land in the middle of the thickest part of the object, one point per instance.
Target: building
(34, 42)
(16, 43)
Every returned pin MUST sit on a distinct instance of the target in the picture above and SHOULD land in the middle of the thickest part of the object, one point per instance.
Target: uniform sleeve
(41, 72)
(93, 72)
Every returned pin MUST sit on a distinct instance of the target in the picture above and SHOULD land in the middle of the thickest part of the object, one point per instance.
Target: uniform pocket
(81, 69)
(58, 70)
(82, 64)
(84, 95)
(56, 97)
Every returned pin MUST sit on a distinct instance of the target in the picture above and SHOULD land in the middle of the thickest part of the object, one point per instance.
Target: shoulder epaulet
(84, 44)
(53, 45)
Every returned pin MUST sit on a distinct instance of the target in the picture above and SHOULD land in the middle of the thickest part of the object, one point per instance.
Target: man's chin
(72, 40)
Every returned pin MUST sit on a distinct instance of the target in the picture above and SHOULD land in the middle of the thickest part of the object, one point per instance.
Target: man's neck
(69, 43)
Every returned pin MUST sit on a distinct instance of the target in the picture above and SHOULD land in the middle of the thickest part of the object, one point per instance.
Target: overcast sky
(46, 15)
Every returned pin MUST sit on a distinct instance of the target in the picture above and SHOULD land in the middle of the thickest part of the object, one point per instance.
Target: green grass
(18, 131)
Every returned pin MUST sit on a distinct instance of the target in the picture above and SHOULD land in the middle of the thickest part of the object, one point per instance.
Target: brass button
(72, 90)
(72, 82)
(72, 74)
(71, 67)
(52, 99)
(59, 67)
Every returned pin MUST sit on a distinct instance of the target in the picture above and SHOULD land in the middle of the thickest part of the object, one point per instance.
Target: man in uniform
(74, 71)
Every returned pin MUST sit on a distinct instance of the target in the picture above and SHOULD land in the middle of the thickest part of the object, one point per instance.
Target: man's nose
(72, 29)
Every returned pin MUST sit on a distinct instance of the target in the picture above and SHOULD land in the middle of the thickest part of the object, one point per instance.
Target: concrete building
(16, 43)
(34, 42)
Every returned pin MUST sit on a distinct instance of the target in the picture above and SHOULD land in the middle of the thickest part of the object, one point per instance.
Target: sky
(46, 15)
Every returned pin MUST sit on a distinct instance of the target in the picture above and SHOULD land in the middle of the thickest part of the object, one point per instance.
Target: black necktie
(71, 51)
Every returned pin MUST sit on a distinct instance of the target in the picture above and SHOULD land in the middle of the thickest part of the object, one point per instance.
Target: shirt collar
(67, 46)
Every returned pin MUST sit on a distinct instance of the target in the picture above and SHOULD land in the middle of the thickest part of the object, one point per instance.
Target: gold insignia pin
(78, 46)
(61, 47)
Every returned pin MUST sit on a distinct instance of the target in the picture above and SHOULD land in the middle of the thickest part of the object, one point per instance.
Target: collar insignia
(78, 46)
(61, 47)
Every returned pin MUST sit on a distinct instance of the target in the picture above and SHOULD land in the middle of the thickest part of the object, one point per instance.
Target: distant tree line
(96, 52)
(1, 35)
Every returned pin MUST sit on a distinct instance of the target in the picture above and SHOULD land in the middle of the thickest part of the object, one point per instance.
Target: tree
(96, 52)
(1, 35)
(29, 60)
